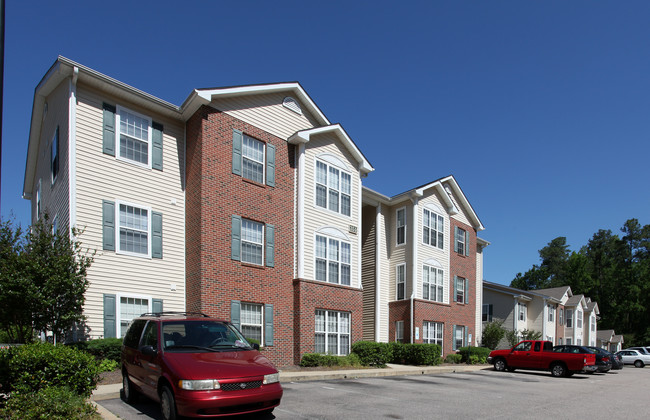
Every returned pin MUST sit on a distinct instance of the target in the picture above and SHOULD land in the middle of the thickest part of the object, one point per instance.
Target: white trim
(72, 152)
(414, 263)
(118, 156)
(327, 190)
(397, 267)
(445, 222)
(378, 307)
(322, 233)
(300, 203)
(117, 229)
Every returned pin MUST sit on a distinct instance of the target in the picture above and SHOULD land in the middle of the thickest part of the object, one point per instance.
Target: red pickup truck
(539, 355)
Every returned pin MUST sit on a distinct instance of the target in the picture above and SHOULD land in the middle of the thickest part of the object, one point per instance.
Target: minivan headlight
(199, 385)
(272, 378)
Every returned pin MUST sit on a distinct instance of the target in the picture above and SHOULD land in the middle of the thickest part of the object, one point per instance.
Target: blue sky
(540, 109)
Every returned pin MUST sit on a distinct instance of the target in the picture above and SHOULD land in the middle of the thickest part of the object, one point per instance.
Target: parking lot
(484, 394)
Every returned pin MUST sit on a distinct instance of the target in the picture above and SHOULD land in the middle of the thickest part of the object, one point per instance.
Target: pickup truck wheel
(500, 365)
(639, 364)
(558, 370)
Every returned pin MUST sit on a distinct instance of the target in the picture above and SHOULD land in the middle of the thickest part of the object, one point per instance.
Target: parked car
(196, 366)
(641, 350)
(633, 357)
(538, 355)
(604, 359)
(574, 349)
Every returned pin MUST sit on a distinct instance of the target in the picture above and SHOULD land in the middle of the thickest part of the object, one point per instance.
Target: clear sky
(540, 109)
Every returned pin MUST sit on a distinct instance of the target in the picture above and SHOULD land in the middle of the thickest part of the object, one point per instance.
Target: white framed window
(253, 159)
(433, 229)
(579, 319)
(593, 323)
(332, 332)
(432, 332)
(252, 321)
(460, 241)
(134, 133)
(333, 260)
(133, 229)
(54, 155)
(333, 188)
(460, 289)
(432, 283)
(399, 331)
(561, 316)
(579, 341)
(487, 312)
(551, 313)
(521, 311)
(569, 318)
(130, 307)
(400, 280)
(459, 337)
(400, 229)
(252, 242)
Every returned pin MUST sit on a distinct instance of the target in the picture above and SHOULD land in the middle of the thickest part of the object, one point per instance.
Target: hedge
(481, 353)
(316, 359)
(52, 403)
(103, 348)
(372, 353)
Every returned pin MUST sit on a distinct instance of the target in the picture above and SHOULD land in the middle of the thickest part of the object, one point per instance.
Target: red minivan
(196, 366)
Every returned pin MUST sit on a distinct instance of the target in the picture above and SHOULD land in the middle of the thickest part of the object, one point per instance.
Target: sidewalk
(108, 392)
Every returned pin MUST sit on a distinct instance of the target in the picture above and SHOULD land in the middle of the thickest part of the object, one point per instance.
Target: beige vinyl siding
(317, 218)
(399, 254)
(535, 317)
(461, 216)
(384, 269)
(368, 270)
(425, 252)
(267, 113)
(103, 177)
(54, 197)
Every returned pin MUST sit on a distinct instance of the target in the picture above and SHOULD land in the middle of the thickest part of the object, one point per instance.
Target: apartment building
(246, 203)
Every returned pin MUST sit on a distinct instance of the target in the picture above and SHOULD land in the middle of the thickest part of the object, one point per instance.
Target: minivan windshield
(202, 335)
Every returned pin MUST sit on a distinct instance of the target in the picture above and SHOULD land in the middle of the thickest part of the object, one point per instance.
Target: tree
(45, 284)
(493, 332)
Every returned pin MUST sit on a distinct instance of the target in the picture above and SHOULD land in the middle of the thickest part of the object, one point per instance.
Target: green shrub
(42, 365)
(108, 365)
(453, 358)
(315, 359)
(310, 360)
(57, 403)
(481, 352)
(493, 333)
(423, 354)
(105, 348)
(399, 351)
(473, 360)
(373, 354)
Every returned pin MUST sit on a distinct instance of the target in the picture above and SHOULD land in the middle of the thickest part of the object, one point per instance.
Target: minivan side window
(150, 337)
(132, 337)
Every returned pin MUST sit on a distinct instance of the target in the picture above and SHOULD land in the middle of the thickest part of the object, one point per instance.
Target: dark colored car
(579, 350)
(605, 360)
(196, 366)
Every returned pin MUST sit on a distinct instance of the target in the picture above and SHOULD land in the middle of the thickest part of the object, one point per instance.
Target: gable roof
(518, 292)
(557, 292)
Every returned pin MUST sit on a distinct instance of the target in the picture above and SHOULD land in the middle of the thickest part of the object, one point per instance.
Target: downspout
(72, 151)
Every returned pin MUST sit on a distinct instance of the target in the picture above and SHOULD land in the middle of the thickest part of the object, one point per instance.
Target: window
(487, 312)
(460, 242)
(251, 321)
(133, 229)
(399, 331)
(400, 280)
(135, 136)
(432, 283)
(560, 341)
(150, 336)
(253, 159)
(432, 332)
(579, 341)
(561, 316)
(579, 319)
(461, 292)
(252, 240)
(54, 155)
(131, 307)
(333, 189)
(521, 311)
(593, 323)
(401, 226)
(332, 260)
(332, 332)
(551, 313)
(433, 229)
(569, 318)
(459, 336)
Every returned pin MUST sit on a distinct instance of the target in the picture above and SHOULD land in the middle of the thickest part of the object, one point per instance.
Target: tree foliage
(42, 280)
(612, 270)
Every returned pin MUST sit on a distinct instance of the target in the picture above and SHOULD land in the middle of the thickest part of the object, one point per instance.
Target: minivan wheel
(638, 364)
(167, 404)
(129, 395)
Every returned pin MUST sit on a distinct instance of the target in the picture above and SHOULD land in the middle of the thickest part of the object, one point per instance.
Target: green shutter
(235, 311)
(453, 338)
(108, 143)
(466, 340)
(156, 305)
(108, 225)
(157, 146)
(235, 247)
(156, 235)
(270, 165)
(270, 245)
(268, 325)
(466, 291)
(236, 151)
(109, 316)
(467, 243)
